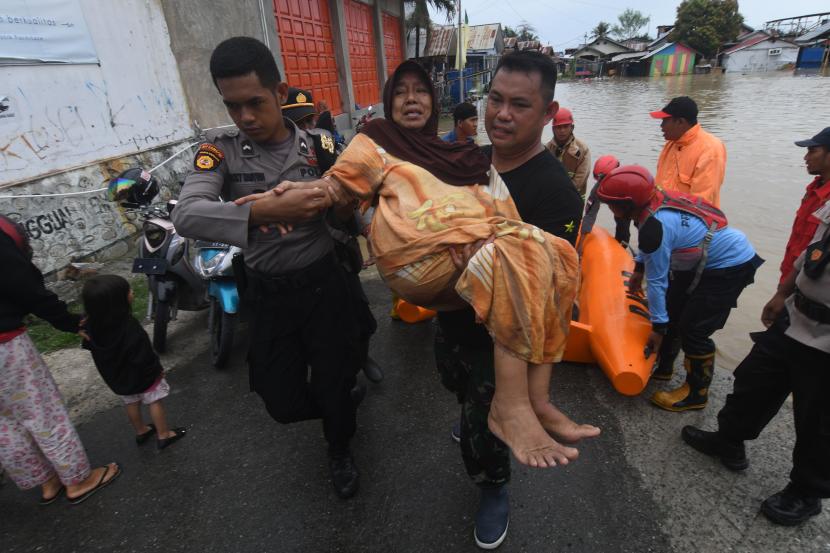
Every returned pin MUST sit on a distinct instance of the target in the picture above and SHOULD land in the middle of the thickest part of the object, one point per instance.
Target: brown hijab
(455, 164)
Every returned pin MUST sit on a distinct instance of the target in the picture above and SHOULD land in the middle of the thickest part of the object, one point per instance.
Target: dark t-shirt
(545, 197)
(124, 357)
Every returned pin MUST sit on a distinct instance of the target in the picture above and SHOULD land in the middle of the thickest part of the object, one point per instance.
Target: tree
(509, 32)
(631, 21)
(601, 30)
(706, 24)
(526, 32)
(419, 18)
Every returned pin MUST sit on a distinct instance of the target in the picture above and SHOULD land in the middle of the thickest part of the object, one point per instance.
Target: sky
(564, 23)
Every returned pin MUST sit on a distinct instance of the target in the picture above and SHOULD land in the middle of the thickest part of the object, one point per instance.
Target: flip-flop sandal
(101, 484)
(50, 500)
(141, 438)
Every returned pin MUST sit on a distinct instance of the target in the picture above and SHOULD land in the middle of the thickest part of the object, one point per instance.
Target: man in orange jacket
(692, 160)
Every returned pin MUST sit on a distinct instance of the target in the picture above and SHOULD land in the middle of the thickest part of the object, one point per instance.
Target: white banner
(44, 31)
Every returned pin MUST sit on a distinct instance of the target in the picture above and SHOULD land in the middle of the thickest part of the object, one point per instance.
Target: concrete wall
(76, 126)
(756, 58)
(67, 228)
(69, 116)
(196, 27)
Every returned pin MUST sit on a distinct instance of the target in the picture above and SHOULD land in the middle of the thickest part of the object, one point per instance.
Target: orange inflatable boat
(613, 325)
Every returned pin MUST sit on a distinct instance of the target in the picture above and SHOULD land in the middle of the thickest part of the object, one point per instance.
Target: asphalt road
(240, 482)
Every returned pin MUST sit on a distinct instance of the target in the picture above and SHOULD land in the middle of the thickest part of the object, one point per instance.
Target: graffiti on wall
(47, 135)
(66, 228)
(68, 116)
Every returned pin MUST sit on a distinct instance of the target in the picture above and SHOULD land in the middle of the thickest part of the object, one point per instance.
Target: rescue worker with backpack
(696, 265)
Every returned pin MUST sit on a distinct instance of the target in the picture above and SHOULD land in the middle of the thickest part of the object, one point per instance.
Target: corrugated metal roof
(483, 37)
(440, 40)
(758, 40)
(530, 45)
(751, 41)
(628, 56)
(815, 33)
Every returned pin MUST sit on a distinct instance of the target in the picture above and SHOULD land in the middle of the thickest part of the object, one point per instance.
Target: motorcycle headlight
(208, 261)
(155, 234)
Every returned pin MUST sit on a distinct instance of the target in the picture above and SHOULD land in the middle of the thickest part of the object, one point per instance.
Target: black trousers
(776, 367)
(693, 318)
(299, 354)
(468, 371)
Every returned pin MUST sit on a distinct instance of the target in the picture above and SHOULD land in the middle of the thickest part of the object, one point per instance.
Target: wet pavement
(240, 482)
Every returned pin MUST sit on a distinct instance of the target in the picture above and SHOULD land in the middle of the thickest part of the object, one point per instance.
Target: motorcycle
(365, 118)
(181, 273)
(214, 262)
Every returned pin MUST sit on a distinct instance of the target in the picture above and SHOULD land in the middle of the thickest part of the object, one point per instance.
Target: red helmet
(605, 165)
(629, 183)
(563, 117)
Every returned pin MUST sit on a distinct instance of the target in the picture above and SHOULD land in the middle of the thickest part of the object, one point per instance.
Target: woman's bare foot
(98, 478)
(518, 427)
(50, 489)
(560, 426)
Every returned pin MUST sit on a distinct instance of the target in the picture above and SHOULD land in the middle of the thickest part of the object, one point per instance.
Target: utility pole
(459, 56)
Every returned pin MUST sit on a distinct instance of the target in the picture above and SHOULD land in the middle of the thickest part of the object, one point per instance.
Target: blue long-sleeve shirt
(729, 248)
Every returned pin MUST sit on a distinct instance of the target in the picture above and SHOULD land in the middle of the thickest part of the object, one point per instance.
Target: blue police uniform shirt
(729, 248)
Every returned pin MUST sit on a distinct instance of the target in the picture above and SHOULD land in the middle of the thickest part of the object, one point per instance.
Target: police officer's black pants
(365, 323)
(298, 358)
(469, 372)
(693, 318)
(776, 367)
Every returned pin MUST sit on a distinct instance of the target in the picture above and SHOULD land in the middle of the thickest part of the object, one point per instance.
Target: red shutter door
(392, 42)
(362, 53)
(304, 28)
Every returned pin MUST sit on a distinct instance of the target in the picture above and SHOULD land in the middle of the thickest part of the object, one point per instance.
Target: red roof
(753, 40)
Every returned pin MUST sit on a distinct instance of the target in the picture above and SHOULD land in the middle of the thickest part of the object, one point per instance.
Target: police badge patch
(327, 143)
(208, 157)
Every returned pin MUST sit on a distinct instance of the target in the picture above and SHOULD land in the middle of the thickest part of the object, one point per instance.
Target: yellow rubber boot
(694, 393)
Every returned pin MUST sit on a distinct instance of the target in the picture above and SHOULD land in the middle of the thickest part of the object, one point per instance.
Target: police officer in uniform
(792, 356)
(299, 107)
(344, 226)
(293, 286)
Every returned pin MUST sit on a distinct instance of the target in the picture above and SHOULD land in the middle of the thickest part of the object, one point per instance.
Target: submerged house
(814, 51)
(665, 58)
(759, 52)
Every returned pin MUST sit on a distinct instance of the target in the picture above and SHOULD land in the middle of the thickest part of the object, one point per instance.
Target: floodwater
(757, 116)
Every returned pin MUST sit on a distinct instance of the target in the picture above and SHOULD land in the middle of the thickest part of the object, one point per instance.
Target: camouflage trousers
(469, 373)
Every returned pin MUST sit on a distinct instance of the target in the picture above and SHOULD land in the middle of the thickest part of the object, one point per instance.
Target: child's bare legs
(160, 420)
(552, 419)
(513, 421)
(134, 414)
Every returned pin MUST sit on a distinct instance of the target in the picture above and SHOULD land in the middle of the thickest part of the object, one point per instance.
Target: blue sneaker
(492, 518)
(455, 433)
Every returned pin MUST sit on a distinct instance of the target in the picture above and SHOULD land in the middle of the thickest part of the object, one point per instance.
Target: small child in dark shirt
(125, 358)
